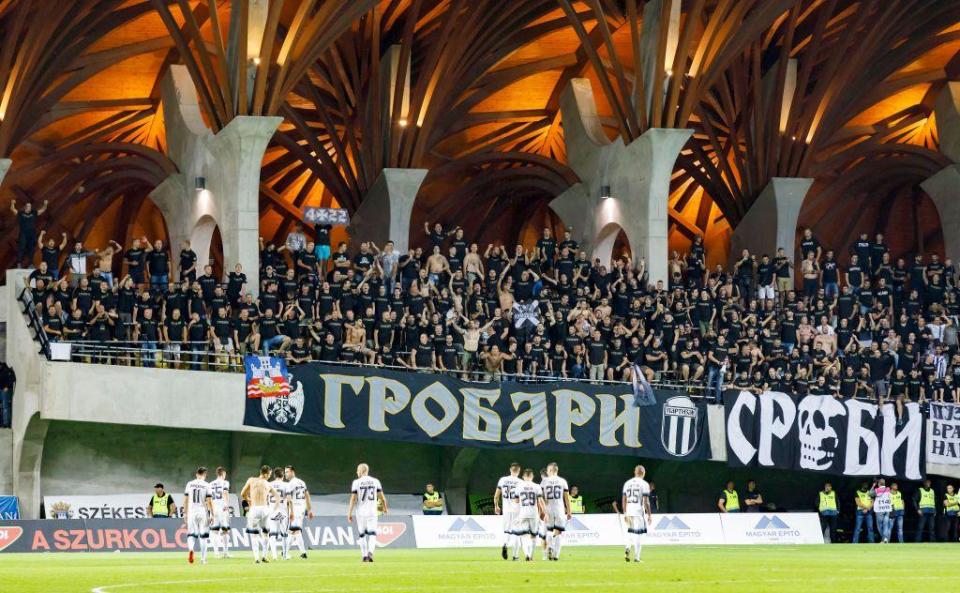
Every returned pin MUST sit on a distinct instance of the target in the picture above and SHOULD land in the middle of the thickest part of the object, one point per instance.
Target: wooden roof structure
(839, 90)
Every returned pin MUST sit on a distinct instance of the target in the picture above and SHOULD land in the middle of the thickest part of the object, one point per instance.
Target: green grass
(753, 569)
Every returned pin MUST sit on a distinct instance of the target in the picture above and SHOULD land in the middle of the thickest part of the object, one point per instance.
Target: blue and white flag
(642, 391)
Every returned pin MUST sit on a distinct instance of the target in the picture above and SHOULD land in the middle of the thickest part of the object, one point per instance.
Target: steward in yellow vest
(161, 504)
(729, 500)
(576, 501)
(828, 506)
(432, 501)
(925, 500)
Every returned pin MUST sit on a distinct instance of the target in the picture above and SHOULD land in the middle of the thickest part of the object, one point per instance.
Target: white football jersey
(635, 490)
(281, 487)
(298, 491)
(553, 489)
(220, 492)
(507, 485)
(366, 489)
(197, 492)
(526, 494)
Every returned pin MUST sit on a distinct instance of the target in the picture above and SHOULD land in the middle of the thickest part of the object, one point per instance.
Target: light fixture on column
(200, 183)
(605, 192)
(402, 122)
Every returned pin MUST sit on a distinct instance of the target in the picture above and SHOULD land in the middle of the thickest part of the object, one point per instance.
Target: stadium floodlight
(605, 193)
(200, 183)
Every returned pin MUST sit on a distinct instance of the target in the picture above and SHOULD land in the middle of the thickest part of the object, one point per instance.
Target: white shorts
(556, 519)
(296, 519)
(198, 524)
(636, 523)
(508, 519)
(367, 526)
(257, 519)
(277, 522)
(221, 517)
(526, 526)
(765, 292)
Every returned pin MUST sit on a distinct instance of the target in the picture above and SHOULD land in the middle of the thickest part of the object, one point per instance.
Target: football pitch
(891, 568)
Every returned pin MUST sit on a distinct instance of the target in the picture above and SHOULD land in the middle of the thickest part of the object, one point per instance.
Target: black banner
(823, 434)
(170, 535)
(430, 408)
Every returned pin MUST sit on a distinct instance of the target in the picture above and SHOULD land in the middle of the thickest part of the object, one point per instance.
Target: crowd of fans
(862, 324)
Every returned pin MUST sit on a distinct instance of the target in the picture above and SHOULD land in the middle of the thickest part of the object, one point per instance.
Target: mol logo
(773, 528)
(8, 535)
(387, 533)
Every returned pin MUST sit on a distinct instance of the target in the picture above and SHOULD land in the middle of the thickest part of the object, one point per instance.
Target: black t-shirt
(159, 263)
(188, 259)
(323, 235)
(27, 222)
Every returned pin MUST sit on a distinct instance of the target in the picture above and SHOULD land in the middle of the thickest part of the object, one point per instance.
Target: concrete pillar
(385, 212)
(944, 187)
(638, 175)
(28, 451)
(4, 167)
(229, 162)
(771, 221)
(455, 486)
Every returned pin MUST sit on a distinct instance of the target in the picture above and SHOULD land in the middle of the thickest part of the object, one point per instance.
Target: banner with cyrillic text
(436, 409)
(943, 437)
(823, 434)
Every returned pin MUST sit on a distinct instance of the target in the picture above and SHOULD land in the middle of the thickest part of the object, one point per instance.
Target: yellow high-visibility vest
(576, 504)
(896, 499)
(733, 500)
(427, 497)
(928, 499)
(951, 503)
(866, 501)
(828, 501)
(161, 505)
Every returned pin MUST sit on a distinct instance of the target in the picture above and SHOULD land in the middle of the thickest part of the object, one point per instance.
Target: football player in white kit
(300, 508)
(529, 498)
(220, 494)
(197, 508)
(256, 492)
(636, 510)
(556, 496)
(278, 520)
(504, 495)
(365, 493)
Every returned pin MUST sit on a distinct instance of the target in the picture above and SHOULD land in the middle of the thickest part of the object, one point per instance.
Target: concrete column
(944, 187)
(28, 451)
(228, 161)
(771, 221)
(4, 167)
(455, 486)
(638, 175)
(385, 212)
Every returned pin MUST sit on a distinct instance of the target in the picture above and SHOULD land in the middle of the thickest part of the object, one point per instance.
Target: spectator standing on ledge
(827, 507)
(296, 243)
(432, 501)
(27, 221)
(752, 500)
(864, 508)
(8, 380)
(161, 505)
(576, 500)
(896, 517)
(951, 510)
(925, 500)
(729, 500)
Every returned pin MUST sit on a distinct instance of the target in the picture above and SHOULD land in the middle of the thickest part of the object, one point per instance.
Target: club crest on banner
(679, 432)
(269, 381)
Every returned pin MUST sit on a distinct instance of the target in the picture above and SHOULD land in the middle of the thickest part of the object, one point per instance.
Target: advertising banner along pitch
(824, 434)
(429, 408)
